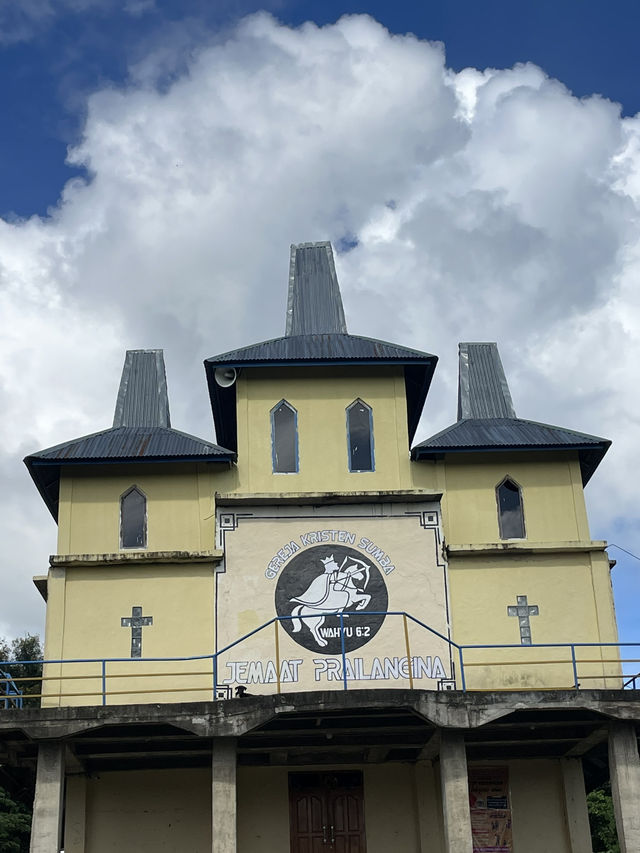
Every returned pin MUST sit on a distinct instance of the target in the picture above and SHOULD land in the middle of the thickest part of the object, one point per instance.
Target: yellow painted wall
(539, 823)
(553, 500)
(390, 804)
(180, 507)
(321, 396)
(85, 608)
(170, 810)
(564, 587)
(147, 811)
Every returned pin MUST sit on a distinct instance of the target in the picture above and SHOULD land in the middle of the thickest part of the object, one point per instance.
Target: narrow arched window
(133, 519)
(284, 438)
(360, 436)
(510, 512)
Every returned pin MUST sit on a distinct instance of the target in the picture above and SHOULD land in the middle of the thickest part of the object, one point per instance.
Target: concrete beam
(236, 717)
(223, 796)
(46, 825)
(455, 793)
(624, 767)
(575, 805)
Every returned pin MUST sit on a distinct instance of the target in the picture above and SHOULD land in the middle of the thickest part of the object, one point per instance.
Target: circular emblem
(321, 583)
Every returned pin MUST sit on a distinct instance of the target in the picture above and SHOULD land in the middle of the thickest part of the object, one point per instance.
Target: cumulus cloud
(483, 205)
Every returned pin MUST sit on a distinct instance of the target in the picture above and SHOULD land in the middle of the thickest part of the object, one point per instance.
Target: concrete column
(575, 805)
(47, 806)
(455, 793)
(223, 796)
(624, 768)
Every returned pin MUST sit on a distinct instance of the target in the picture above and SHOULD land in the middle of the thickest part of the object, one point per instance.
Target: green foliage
(15, 825)
(602, 821)
(25, 648)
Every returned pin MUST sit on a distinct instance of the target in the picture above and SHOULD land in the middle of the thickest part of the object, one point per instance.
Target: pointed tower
(141, 432)
(348, 375)
(487, 421)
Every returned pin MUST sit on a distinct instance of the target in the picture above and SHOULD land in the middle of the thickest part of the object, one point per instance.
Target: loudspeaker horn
(225, 376)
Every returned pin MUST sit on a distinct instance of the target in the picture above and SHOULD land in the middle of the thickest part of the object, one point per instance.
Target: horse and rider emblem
(323, 582)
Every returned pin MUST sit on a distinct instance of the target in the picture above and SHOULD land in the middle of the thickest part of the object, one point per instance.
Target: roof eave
(590, 455)
(49, 487)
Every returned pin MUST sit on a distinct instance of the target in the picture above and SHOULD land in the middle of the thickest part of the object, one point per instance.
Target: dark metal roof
(314, 305)
(483, 391)
(142, 398)
(131, 443)
(124, 445)
(326, 349)
(498, 434)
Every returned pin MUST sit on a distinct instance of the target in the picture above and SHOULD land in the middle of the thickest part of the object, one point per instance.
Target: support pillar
(575, 805)
(455, 793)
(624, 768)
(46, 826)
(223, 796)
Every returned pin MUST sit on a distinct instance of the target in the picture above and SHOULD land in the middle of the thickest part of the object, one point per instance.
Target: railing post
(462, 678)
(104, 681)
(275, 626)
(344, 654)
(574, 664)
(406, 642)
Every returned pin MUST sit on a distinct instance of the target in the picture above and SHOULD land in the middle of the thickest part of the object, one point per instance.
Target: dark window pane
(359, 437)
(133, 520)
(284, 439)
(510, 511)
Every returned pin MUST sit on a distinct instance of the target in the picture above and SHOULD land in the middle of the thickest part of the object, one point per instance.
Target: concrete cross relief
(136, 622)
(523, 610)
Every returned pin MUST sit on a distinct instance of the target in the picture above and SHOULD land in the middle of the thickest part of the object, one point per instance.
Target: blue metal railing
(10, 692)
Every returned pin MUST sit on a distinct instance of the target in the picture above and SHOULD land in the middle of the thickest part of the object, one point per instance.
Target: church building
(316, 634)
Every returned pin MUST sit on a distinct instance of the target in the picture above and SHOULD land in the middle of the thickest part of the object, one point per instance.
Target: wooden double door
(326, 812)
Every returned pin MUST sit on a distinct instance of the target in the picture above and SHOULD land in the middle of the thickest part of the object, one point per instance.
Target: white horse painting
(332, 592)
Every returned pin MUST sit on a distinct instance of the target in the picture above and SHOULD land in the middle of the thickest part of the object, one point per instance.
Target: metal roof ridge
(125, 429)
(515, 421)
(282, 338)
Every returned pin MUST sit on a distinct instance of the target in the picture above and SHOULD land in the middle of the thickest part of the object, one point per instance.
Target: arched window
(360, 436)
(284, 438)
(133, 519)
(510, 512)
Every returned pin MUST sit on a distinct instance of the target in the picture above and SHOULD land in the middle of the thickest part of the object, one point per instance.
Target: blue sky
(505, 203)
(52, 60)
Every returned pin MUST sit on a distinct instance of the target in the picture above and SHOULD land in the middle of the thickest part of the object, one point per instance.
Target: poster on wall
(490, 809)
(337, 585)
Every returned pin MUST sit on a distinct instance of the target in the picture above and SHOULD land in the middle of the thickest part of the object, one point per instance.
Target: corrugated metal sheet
(507, 432)
(487, 434)
(483, 391)
(317, 348)
(142, 399)
(314, 304)
(130, 443)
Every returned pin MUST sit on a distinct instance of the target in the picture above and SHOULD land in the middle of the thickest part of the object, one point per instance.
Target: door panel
(327, 812)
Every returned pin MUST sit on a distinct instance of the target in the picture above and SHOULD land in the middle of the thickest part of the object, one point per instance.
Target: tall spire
(314, 306)
(142, 398)
(483, 391)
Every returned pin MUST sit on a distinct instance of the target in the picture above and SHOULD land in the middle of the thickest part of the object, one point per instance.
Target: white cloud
(488, 205)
